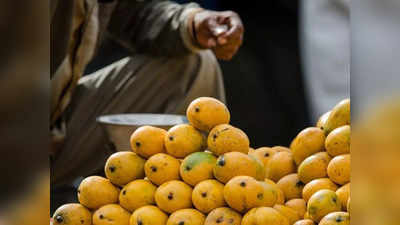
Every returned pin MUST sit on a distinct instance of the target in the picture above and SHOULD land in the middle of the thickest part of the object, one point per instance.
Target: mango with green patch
(314, 167)
(197, 167)
(339, 116)
(322, 203)
(316, 185)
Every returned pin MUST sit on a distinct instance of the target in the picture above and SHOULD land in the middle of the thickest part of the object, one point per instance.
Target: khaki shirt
(154, 27)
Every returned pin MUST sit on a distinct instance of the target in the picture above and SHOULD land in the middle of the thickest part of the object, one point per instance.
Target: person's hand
(220, 31)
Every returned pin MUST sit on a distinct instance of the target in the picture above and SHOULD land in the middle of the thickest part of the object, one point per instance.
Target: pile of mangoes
(206, 173)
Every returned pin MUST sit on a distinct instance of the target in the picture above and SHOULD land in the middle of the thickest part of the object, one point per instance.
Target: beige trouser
(136, 84)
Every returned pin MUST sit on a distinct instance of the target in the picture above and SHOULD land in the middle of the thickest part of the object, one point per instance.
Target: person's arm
(164, 28)
(154, 27)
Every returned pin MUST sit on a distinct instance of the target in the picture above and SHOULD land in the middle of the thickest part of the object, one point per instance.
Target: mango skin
(339, 116)
(280, 165)
(336, 218)
(150, 214)
(299, 205)
(197, 167)
(264, 216)
(291, 186)
(205, 113)
(124, 167)
(264, 154)
(136, 194)
(317, 185)
(339, 169)
(290, 214)
(322, 203)
(95, 192)
(314, 167)
(233, 164)
(208, 195)
(71, 214)
(308, 142)
(344, 194)
(183, 139)
(280, 195)
(304, 222)
(147, 141)
(161, 168)
(223, 216)
(187, 217)
(322, 120)
(338, 141)
(111, 214)
(226, 138)
(243, 193)
(173, 195)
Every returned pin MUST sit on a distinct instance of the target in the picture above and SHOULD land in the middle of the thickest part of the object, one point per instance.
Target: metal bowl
(119, 127)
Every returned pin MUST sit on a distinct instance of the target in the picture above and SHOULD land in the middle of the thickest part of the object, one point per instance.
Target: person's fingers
(211, 43)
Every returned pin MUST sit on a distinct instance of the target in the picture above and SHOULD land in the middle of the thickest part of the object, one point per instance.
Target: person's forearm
(156, 27)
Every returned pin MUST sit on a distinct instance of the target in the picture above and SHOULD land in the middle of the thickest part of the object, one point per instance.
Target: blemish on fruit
(221, 161)
(112, 169)
(59, 219)
(153, 169)
(204, 194)
(243, 184)
(170, 196)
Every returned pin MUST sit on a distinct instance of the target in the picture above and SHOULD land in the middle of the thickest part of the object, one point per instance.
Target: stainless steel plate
(119, 127)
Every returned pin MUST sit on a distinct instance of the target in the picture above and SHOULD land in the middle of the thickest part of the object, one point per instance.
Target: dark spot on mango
(170, 196)
(231, 220)
(197, 109)
(334, 199)
(219, 220)
(101, 216)
(181, 223)
(266, 154)
(139, 222)
(59, 219)
(171, 138)
(138, 144)
(188, 168)
(299, 184)
(339, 219)
(243, 184)
(204, 194)
(124, 192)
(221, 161)
(260, 196)
(214, 137)
(82, 221)
(153, 168)
(112, 169)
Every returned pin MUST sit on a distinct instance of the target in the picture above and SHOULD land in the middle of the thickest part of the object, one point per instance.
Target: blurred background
(292, 67)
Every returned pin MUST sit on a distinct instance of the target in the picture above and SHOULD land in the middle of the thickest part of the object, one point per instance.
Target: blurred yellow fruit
(339, 169)
(291, 186)
(338, 141)
(308, 142)
(314, 167)
(148, 215)
(111, 214)
(223, 216)
(71, 214)
(186, 217)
